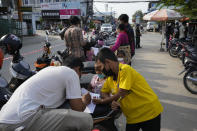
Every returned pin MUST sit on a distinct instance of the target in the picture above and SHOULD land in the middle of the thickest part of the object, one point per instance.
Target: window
(57, 0)
(25, 2)
(41, 1)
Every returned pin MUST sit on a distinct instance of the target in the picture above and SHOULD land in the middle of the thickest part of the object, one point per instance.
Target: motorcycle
(190, 77)
(185, 52)
(20, 71)
(176, 47)
(5, 94)
(45, 60)
(103, 116)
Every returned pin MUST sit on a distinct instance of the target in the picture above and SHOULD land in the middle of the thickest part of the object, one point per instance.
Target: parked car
(151, 25)
(106, 28)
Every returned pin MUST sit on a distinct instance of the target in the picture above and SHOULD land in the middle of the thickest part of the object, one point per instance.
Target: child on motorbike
(97, 81)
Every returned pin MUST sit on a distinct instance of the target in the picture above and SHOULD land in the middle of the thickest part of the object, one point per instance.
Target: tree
(185, 7)
(138, 13)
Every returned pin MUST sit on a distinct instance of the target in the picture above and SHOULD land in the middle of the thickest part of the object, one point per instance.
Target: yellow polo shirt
(141, 104)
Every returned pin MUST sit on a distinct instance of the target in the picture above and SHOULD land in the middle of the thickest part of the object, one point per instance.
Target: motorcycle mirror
(47, 32)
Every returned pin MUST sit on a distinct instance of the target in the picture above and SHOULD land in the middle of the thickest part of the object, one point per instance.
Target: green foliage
(185, 7)
(138, 13)
(91, 25)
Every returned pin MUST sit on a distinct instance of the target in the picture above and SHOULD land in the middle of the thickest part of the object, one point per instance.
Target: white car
(106, 28)
(151, 25)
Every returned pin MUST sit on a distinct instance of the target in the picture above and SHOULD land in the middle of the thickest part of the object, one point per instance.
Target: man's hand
(97, 101)
(115, 105)
(86, 99)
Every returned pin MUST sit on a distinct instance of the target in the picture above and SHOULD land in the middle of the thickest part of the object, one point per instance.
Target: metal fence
(10, 26)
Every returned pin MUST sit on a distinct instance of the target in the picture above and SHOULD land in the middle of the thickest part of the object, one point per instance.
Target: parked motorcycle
(176, 47)
(190, 77)
(19, 70)
(45, 60)
(5, 94)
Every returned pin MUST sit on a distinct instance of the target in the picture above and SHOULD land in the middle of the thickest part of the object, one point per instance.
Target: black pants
(137, 42)
(150, 125)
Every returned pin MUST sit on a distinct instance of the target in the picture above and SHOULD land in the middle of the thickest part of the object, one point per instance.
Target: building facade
(49, 10)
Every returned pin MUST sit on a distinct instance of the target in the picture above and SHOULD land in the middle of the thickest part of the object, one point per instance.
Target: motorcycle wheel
(173, 52)
(189, 84)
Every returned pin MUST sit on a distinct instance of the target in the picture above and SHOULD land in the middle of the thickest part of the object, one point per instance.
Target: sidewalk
(161, 71)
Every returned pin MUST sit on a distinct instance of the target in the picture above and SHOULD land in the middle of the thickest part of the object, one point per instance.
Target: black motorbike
(20, 71)
(190, 77)
(103, 116)
(5, 94)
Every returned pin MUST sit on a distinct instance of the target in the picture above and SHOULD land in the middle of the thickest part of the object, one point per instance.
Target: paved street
(159, 69)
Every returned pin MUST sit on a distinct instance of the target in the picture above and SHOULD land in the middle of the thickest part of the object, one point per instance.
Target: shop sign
(66, 13)
(60, 5)
(70, 12)
(50, 14)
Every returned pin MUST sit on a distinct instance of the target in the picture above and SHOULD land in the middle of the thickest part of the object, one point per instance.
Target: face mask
(107, 73)
(101, 76)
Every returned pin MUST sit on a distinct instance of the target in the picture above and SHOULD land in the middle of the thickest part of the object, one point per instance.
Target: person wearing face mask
(74, 40)
(128, 90)
(97, 80)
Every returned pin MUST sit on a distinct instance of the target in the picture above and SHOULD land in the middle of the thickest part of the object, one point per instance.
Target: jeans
(167, 41)
(137, 42)
(54, 120)
(150, 125)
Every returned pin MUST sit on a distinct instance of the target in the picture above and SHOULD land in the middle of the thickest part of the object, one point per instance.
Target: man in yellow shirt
(126, 88)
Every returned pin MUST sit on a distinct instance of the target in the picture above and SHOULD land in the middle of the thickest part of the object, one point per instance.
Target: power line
(98, 10)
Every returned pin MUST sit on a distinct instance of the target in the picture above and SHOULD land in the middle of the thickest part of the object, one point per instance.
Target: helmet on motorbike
(10, 44)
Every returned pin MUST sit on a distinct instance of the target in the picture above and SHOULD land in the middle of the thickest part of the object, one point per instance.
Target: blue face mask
(101, 76)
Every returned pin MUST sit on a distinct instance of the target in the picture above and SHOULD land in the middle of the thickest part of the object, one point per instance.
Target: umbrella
(162, 15)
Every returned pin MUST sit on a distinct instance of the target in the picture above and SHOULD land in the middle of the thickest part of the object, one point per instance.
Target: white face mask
(120, 59)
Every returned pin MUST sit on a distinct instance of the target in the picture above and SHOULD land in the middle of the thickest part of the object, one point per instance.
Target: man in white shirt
(33, 106)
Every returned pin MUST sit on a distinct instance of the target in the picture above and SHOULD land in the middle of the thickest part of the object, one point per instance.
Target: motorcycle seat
(194, 56)
(22, 68)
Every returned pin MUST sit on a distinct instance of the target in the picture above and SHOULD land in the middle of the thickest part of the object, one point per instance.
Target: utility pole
(20, 16)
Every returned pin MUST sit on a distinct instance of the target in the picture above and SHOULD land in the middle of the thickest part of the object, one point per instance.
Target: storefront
(58, 14)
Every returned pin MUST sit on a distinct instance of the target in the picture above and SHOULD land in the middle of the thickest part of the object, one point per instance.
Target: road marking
(31, 52)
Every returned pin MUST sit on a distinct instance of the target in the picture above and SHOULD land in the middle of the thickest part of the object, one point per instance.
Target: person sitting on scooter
(130, 92)
(122, 43)
(97, 80)
(33, 106)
